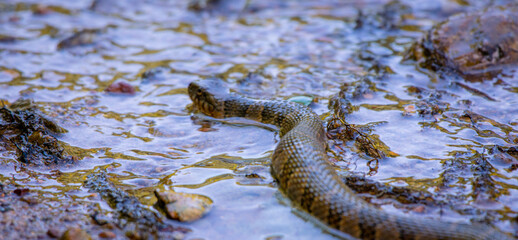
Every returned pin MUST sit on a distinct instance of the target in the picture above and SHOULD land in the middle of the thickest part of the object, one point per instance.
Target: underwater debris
(369, 144)
(341, 102)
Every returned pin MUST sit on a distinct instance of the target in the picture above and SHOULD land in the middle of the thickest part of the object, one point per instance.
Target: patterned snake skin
(301, 167)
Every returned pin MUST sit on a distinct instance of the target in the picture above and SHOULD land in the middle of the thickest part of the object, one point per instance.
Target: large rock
(476, 45)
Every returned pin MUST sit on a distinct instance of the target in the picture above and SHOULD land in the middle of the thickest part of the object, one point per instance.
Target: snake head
(209, 96)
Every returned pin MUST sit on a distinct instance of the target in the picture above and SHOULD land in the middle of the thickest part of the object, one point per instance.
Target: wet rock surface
(185, 207)
(477, 45)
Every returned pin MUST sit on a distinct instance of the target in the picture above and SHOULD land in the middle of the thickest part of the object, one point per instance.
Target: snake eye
(199, 92)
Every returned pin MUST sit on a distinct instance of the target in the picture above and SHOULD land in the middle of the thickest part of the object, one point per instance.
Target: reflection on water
(150, 140)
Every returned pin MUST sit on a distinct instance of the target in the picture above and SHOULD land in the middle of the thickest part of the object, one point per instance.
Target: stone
(477, 45)
(184, 207)
(75, 233)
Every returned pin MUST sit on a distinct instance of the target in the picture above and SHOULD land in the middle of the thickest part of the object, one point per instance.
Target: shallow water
(152, 139)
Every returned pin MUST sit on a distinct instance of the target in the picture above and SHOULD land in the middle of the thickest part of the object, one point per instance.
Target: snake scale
(301, 167)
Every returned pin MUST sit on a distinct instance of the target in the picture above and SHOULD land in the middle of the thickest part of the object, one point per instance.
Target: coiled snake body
(301, 167)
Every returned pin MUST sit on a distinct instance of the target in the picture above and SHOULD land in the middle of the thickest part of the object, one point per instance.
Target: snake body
(301, 167)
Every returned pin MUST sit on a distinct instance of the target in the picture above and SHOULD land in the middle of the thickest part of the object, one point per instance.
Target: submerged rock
(155, 74)
(222, 6)
(185, 207)
(121, 87)
(476, 45)
(84, 37)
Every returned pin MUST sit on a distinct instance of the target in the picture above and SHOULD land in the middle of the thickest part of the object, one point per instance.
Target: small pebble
(185, 207)
(41, 10)
(30, 200)
(121, 87)
(54, 232)
(178, 236)
(110, 226)
(107, 234)
(21, 191)
(419, 209)
(75, 233)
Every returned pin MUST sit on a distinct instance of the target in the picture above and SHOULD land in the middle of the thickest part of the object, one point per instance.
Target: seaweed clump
(427, 103)
(342, 102)
(370, 144)
(136, 219)
(361, 184)
(342, 132)
(25, 129)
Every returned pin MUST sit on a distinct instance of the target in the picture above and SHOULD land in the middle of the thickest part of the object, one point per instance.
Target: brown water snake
(304, 174)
